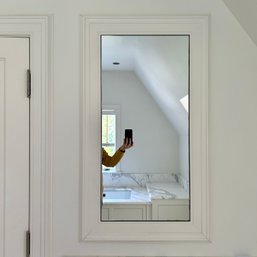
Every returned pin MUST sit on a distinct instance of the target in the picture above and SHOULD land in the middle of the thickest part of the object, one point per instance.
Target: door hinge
(28, 83)
(27, 243)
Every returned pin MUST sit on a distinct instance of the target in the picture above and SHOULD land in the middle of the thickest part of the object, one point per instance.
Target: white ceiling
(245, 12)
(160, 62)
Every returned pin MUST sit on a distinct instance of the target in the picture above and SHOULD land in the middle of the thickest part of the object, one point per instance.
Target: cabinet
(174, 209)
(126, 212)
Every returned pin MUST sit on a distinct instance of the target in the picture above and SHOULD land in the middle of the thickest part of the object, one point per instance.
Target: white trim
(37, 28)
(245, 255)
(2, 159)
(94, 230)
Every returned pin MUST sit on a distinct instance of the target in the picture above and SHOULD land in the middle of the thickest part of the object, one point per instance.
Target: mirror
(97, 221)
(145, 87)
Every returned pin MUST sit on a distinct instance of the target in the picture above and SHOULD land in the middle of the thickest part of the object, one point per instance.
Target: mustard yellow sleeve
(111, 161)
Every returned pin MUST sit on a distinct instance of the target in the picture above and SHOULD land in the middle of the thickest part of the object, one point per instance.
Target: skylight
(184, 102)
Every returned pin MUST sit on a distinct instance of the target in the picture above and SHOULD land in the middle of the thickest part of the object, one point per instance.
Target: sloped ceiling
(161, 63)
(245, 12)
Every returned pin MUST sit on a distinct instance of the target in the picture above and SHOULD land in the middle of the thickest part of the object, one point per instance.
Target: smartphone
(129, 134)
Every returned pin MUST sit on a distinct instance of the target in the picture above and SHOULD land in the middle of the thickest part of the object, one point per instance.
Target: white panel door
(14, 146)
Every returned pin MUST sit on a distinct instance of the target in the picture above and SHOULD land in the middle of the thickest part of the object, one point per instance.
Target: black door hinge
(27, 243)
(28, 83)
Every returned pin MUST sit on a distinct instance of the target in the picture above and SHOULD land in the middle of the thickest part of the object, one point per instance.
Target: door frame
(39, 30)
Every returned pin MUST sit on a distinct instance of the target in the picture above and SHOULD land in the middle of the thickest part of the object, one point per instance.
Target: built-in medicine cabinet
(149, 74)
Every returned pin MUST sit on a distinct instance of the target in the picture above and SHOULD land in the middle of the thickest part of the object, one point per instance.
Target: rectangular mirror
(145, 87)
(148, 74)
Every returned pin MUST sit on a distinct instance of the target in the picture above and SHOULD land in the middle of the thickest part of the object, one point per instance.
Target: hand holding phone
(128, 140)
(129, 135)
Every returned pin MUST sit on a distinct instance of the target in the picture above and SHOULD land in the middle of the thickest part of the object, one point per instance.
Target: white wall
(156, 143)
(232, 127)
(183, 157)
(245, 12)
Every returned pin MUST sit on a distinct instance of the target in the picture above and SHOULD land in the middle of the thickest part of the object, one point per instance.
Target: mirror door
(145, 88)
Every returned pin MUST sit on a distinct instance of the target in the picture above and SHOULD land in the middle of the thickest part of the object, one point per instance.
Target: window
(110, 130)
(184, 102)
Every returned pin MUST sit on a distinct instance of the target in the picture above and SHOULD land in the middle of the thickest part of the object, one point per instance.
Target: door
(14, 146)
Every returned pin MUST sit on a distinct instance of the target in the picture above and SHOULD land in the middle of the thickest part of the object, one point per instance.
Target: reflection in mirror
(145, 87)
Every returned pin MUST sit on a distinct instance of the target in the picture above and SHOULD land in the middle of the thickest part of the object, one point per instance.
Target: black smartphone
(129, 134)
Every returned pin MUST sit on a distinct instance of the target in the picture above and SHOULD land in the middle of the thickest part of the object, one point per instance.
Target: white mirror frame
(92, 228)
